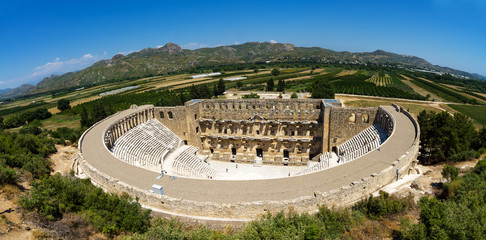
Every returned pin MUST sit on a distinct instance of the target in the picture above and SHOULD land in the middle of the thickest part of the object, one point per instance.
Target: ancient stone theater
(238, 159)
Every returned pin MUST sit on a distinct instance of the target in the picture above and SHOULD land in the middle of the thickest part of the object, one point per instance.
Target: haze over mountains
(171, 57)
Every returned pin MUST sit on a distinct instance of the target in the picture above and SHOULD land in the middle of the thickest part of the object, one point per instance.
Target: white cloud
(272, 41)
(126, 52)
(59, 67)
(195, 45)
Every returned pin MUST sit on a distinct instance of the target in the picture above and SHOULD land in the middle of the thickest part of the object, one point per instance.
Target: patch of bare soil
(12, 225)
(63, 159)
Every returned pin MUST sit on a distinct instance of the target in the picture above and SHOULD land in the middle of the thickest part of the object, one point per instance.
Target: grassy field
(411, 107)
(61, 120)
(478, 113)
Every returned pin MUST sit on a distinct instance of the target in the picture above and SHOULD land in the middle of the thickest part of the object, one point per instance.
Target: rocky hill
(171, 57)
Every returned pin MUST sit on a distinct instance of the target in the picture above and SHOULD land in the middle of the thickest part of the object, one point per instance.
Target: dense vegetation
(99, 109)
(53, 196)
(26, 117)
(25, 152)
(321, 88)
(448, 138)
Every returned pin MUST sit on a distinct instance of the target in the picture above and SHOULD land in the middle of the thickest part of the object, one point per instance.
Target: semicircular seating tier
(150, 144)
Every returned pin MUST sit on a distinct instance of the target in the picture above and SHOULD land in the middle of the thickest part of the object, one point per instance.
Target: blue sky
(38, 38)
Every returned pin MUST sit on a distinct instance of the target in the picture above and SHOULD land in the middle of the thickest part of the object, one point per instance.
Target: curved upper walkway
(226, 191)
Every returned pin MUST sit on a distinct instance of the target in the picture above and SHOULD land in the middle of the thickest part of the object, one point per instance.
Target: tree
(182, 98)
(445, 138)
(256, 71)
(275, 72)
(270, 85)
(215, 90)
(204, 92)
(281, 85)
(194, 92)
(85, 121)
(63, 104)
(322, 89)
(221, 87)
(294, 95)
(99, 112)
(239, 84)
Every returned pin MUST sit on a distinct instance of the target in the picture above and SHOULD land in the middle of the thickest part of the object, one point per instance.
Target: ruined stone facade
(276, 131)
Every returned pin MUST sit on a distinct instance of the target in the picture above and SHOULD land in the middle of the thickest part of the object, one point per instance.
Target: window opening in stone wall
(365, 118)
(162, 115)
(286, 154)
(195, 116)
(352, 118)
(170, 115)
(259, 152)
(197, 129)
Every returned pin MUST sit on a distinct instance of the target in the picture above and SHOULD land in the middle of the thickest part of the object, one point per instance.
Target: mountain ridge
(171, 57)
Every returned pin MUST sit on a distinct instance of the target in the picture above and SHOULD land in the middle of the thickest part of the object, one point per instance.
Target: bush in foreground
(56, 195)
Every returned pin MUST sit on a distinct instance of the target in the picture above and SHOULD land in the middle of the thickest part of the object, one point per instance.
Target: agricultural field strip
(418, 89)
(445, 93)
(456, 89)
(478, 113)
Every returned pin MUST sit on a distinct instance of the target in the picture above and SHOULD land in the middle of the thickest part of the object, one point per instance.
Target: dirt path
(12, 226)
(63, 159)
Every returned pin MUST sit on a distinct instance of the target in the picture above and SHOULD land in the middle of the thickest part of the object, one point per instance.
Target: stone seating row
(189, 164)
(321, 165)
(146, 145)
(368, 140)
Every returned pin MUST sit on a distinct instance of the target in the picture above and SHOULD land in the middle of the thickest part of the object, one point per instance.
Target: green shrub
(450, 172)
(7, 175)
(463, 156)
(375, 207)
(251, 95)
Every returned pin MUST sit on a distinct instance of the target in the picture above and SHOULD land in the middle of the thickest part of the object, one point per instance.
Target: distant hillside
(2, 91)
(171, 57)
(480, 77)
(19, 91)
